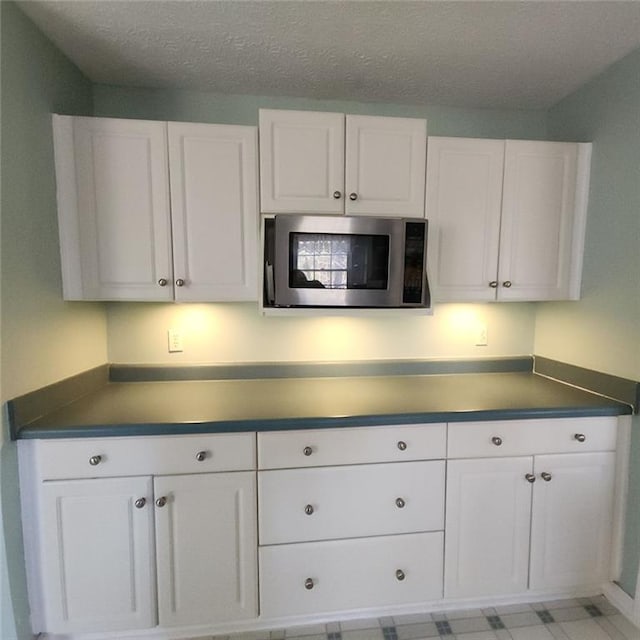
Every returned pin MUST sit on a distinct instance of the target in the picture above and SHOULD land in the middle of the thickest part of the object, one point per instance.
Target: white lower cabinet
(571, 520)
(336, 536)
(488, 515)
(97, 555)
(206, 547)
(537, 522)
(108, 554)
(339, 575)
(173, 536)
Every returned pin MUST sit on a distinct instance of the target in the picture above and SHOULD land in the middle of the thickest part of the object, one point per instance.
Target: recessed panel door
(206, 548)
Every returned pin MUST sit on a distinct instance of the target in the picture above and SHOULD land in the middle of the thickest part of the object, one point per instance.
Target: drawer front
(317, 577)
(327, 447)
(297, 505)
(527, 437)
(110, 457)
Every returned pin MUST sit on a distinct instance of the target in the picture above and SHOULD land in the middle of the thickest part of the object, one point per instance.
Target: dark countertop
(210, 406)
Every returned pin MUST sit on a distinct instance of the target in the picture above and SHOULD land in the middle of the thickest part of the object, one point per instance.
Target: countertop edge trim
(289, 424)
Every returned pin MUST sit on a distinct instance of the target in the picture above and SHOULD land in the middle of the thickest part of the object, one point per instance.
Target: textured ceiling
(506, 54)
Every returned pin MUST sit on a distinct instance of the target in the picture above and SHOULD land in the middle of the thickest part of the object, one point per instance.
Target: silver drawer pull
(308, 509)
(400, 576)
(307, 451)
(140, 502)
(497, 440)
(546, 476)
(402, 445)
(580, 437)
(530, 477)
(94, 461)
(309, 584)
(337, 195)
(400, 503)
(160, 502)
(201, 456)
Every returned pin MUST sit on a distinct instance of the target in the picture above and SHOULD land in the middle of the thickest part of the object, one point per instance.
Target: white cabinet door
(487, 527)
(113, 208)
(97, 555)
(206, 548)
(506, 218)
(571, 520)
(385, 166)
(463, 205)
(213, 170)
(301, 162)
(537, 220)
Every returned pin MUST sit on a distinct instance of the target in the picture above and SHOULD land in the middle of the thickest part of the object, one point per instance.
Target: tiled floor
(582, 619)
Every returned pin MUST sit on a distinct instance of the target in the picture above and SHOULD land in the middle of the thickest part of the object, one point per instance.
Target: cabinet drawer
(58, 459)
(526, 437)
(299, 505)
(318, 577)
(325, 447)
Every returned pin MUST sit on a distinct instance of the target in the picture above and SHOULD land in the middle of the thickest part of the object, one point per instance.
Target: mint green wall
(602, 330)
(164, 104)
(43, 338)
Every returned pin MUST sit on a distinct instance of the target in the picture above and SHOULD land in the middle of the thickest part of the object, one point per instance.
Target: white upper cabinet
(213, 177)
(385, 166)
(313, 162)
(507, 218)
(301, 162)
(124, 237)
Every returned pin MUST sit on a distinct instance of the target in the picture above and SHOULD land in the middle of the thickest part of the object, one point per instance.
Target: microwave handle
(269, 284)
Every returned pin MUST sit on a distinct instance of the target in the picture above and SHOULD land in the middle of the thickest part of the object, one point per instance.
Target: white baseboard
(622, 601)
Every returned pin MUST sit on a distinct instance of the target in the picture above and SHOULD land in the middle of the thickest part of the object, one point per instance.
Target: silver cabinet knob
(94, 461)
(337, 195)
(506, 284)
(201, 456)
(402, 445)
(493, 284)
(140, 502)
(163, 282)
(400, 503)
(546, 476)
(308, 509)
(179, 282)
(580, 437)
(353, 196)
(309, 584)
(530, 477)
(307, 451)
(400, 575)
(497, 440)
(160, 502)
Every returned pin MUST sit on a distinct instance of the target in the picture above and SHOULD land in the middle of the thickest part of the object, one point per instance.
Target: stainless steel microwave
(345, 261)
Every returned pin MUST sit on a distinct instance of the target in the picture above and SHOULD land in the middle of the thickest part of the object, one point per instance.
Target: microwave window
(338, 261)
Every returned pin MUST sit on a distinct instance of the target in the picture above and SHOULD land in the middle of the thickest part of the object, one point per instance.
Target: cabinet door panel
(487, 527)
(463, 203)
(571, 520)
(213, 171)
(123, 208)
(206, 548)
(537, 220)
(385, 166)
(97, 555)
(301, 162)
